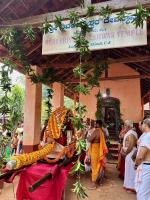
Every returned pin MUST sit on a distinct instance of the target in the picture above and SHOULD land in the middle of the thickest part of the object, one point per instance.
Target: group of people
(16, 143)
(134, 159)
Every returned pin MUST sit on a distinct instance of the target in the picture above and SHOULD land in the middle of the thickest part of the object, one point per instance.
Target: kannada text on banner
(105, 34)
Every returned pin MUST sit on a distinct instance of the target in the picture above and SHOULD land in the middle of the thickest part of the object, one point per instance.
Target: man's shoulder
(146, 136)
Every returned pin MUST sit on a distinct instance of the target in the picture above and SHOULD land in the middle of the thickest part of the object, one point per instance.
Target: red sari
(121, 159)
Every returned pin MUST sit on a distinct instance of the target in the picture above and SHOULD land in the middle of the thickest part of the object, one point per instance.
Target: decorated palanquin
(58, 141)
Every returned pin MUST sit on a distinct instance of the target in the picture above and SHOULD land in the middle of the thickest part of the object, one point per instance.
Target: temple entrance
(112, 116)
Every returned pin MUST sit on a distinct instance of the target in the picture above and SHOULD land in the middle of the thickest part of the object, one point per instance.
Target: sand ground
(110, 190)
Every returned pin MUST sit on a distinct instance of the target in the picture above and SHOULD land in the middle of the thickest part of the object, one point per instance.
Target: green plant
(45, 27)
(90, 11)
(58, 23)
(83, 25)
(141, 15)
(81, 110)
(11, 38)
(47, 76)
(81, 44)
(79, 190)
(5, 85)
(99, 107)
(81, 89)
(121, 16)
(49, 101)
(16, 106)
(3, 145)
(80, 146)
(78, 167)
(74, 17)
(79, 72)
(105, 12)
(29, 32)
(98, 69)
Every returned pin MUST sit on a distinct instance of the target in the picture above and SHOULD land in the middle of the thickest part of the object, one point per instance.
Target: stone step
(113, 150)
(114, 156)
(113, 145)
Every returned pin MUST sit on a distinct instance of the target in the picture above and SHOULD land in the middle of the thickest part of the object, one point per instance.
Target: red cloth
(122, 168)
(50, 190)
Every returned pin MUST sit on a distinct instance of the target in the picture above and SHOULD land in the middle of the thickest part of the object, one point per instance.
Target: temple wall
(126, 90)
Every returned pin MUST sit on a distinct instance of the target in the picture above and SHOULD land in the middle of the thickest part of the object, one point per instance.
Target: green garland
(99, 106)
(105, 12)
(5, 85)
(90, 11)
(49, 101)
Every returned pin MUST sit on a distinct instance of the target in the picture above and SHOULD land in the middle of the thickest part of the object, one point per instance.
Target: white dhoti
(142, 182)
(129, 180)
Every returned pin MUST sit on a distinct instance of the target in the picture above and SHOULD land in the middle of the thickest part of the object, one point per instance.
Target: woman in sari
(97, 153)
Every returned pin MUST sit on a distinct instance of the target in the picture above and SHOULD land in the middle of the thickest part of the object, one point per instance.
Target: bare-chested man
(142, 181)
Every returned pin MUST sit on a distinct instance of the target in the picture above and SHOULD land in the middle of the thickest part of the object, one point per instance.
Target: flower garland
(30, 158)
(56, 122)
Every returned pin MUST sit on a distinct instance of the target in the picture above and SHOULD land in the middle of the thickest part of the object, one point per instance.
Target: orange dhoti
(97, 153)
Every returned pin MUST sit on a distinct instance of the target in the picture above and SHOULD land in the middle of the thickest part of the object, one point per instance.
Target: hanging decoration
(5, 85)
(99, 107)
(48, 101)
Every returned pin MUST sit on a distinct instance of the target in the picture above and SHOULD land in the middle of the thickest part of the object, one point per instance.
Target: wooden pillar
(58, 96)
(75, 102)
(142, 104)
(32, 115)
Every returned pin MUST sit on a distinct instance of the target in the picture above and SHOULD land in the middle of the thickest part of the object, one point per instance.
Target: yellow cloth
(97, 152)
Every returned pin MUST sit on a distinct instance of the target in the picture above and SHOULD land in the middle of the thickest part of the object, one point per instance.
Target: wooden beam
(132, 59)
(6, 4)
(35, 7)
(38, 19)
(125, 77)
(116, 78)
(34, 49)
(25, 5)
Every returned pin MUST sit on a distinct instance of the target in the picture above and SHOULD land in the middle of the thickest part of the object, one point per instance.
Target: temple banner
(105, 34)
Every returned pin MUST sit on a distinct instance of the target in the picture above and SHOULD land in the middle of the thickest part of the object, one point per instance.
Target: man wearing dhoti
(128, 149)
(142, 180)
(97, 153)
